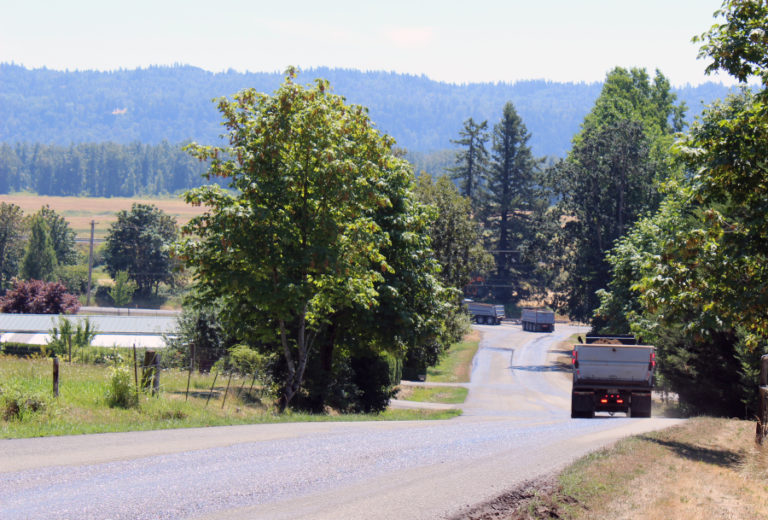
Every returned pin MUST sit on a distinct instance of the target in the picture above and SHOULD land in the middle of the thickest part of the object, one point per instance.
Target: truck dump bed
(617, 365)
(612, 375)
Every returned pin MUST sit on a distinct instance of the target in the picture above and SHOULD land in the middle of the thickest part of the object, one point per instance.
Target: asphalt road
(516, 427)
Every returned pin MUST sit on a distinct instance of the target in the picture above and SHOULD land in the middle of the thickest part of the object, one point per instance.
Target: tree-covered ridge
(174, 104)
(98, 169)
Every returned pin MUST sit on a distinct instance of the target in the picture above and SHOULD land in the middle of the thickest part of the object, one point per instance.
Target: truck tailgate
(619, 363)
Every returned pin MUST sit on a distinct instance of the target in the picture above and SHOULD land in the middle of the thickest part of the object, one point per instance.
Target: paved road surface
(516, 426)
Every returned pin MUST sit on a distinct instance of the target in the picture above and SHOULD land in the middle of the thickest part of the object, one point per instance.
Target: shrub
(38, 297)
(17, 404)
(121, 392)
(74, 278)
(65, 336)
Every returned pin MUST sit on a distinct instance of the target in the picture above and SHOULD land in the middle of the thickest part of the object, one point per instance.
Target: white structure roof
(123, 331)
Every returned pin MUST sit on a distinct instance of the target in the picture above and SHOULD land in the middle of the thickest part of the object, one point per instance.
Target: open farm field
(80, 211)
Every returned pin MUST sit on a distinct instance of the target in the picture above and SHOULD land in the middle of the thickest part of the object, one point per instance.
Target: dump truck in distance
(485, 313)
(538, 320)
(612, 374)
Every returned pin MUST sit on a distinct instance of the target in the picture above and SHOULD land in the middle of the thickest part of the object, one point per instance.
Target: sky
(465, 41)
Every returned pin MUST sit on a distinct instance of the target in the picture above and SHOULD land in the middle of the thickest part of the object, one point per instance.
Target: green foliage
(121, 390)
(198, 328)
(692, 277)
(19, 403)
(138, 242)
(738, 45)
(248, 361)
(513, 196)
(304, 233)
(454, 235)
(472, 161)
(74, 277)
(122, 291)
(62, 236)
(66, 336)
(611, 178)
(39, 261)
(11, 240)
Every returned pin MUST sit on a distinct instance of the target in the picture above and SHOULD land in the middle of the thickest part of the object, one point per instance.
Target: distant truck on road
(485, 313)
(538, 320)
(612, 374)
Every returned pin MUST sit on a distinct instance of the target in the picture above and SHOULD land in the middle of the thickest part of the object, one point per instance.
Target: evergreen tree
(512, 192)
(62, 236)
(11, 240)
(472, 162)
(40, 258)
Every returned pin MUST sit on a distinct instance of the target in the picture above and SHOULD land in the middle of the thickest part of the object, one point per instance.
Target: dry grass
(79, 211)
(707, 468)
(704, 469)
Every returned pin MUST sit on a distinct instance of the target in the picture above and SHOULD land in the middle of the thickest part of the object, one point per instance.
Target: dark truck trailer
(612, 374)
(538, 320)
(485, 313)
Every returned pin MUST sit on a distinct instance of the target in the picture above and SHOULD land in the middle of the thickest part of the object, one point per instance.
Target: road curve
(516, 427)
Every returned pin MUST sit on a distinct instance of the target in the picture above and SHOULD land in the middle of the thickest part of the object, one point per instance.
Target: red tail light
(652, 362)
(620, 401)
(604, 401)
(575, 359)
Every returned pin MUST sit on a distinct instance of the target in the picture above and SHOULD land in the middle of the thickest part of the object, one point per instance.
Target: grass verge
(456, 365)
(423, 394)
(27, 408)
(706, 468)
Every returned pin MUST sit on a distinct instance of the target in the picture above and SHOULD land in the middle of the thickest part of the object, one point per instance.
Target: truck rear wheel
(641, 405)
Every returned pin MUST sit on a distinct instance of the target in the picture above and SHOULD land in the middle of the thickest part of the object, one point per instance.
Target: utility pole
(90, 267)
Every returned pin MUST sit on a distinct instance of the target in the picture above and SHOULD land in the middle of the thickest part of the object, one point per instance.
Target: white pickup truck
(612, 374)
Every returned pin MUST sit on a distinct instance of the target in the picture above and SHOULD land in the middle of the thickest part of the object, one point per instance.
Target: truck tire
(582, 405)
(641, 405)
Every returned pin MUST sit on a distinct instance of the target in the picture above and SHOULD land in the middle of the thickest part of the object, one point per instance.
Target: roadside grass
(28, 409)
(456, 365)
(705, 468)
(422, 394)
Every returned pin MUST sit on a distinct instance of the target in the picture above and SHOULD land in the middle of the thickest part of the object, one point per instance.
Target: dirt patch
(536, 499)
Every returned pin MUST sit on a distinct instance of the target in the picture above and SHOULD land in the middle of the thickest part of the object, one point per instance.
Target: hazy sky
(455, 41)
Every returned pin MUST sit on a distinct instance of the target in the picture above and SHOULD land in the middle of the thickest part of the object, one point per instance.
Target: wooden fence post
(55, 376)
(147, 369)
(762, 419)
(156, 379)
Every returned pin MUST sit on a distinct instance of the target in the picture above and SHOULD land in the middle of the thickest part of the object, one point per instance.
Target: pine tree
(511, 185)
(472, 162)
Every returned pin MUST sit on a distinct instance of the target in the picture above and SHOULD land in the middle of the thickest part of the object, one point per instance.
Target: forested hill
(174, 104)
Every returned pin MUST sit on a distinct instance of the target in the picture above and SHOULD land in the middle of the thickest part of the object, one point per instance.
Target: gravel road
(516, 427)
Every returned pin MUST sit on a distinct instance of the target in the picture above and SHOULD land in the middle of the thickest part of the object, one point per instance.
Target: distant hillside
(174, 104)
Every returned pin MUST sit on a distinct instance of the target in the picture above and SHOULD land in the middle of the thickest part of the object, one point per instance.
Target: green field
(28, 409)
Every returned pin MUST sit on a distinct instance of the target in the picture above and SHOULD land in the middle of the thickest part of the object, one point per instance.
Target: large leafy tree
(11, 240)
(302, 234)
(39, 261)
(455, 236)
(512, 188)
(611, 177)
(692, 277)
(139, 242)
(471, 167)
